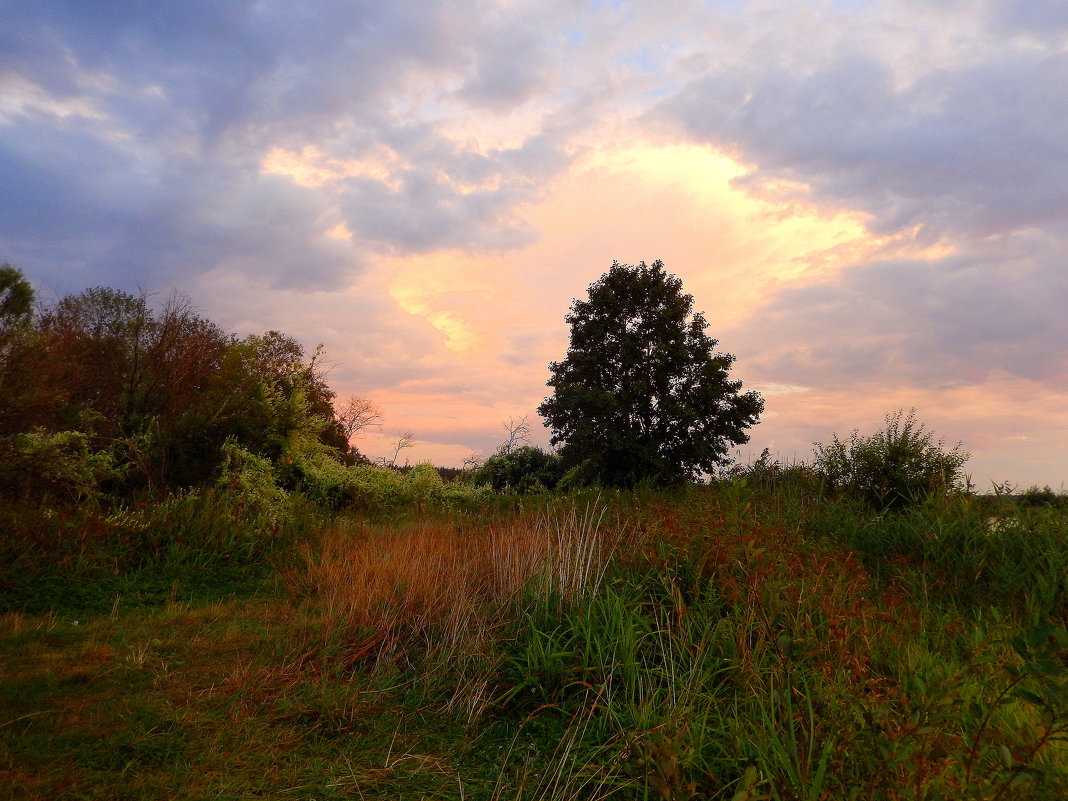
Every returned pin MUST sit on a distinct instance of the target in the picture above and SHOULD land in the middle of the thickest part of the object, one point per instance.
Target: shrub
(423, 483)
(1044, 497)
(524, 469)
(900, 465)
(53, 467)
(770, 473)
(248, 481)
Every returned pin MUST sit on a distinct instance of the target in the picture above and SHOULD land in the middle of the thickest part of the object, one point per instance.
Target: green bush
(53, 467)
(378, 490)
(525, 469)
(248, 481)
(893, 468)
(424, 483)
(1044, 497)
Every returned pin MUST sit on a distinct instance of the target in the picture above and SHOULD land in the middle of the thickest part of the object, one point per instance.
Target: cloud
(135, 136)
(951, 154)
(948, 132)
(942, 322)
(510, 64)
(1047, 22)
(867, 199)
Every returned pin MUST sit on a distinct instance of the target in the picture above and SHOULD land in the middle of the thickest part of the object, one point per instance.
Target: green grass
(745, 641)
(204, 702)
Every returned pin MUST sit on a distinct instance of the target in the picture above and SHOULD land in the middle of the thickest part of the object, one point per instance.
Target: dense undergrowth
(747, 640)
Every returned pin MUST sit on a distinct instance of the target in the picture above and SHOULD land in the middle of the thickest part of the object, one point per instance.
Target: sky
(868, 199)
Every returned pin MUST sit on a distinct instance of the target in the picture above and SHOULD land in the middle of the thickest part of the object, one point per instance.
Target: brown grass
(437, 593)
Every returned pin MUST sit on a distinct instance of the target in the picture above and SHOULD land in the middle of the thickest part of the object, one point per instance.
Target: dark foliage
(642, 395)
(522, 469)
(894, 468)
(103, 386)
(1043, 497)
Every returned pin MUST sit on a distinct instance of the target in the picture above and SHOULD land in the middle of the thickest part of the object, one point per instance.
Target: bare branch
(406, 440)
(357, 414)
(518, 432)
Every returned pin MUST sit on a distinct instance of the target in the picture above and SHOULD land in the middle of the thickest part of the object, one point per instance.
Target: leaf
(1030, 697)
(1006, 757)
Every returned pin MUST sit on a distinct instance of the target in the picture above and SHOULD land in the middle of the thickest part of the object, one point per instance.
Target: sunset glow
(869, 202)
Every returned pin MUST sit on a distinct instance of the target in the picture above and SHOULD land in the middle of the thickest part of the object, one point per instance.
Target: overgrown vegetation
(740, 641)
(899, 466)
(269, 616)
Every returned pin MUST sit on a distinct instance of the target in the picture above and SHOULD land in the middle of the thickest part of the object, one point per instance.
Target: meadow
(752, 638)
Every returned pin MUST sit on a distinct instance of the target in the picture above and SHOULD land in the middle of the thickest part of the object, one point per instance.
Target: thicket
(896, 467)
(124, 423)
(108, 400)
(523, 469)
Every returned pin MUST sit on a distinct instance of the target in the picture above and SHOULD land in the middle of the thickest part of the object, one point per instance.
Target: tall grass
(741, 641)
(436, 595)
(955, 552)
(735, 642)
(198, 543)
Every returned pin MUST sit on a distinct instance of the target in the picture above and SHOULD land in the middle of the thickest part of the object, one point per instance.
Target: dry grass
(436, 592)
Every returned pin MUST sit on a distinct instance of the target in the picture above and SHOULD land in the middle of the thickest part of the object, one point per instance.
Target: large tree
(642, 394)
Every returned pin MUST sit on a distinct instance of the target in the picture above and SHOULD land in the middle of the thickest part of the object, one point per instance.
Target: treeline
(107, 398)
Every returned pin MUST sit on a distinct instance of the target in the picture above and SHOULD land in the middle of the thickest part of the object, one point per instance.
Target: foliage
(641, 394)
(20, 370)
(53, 468)
(382, 490)
(522, 469)
(769, 473)
(1034, 496)
(900, 465)
(158, 389)
(727, 642)
(16, 301)
(249, 480)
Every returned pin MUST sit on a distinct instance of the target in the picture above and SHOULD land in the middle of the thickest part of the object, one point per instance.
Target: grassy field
(741, 641)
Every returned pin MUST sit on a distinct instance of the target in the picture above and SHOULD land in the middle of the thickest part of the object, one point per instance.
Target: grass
(739, 642)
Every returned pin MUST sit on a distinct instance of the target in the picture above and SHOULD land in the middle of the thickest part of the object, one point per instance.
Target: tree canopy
(642, 394)
(154, 391)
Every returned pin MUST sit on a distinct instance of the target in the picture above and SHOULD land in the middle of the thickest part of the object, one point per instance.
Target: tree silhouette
(642, 394)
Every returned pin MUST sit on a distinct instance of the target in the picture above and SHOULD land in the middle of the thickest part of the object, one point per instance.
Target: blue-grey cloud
(978, 151)
(939, 323)
(968, 148)
(132, 135)
(1046, 21)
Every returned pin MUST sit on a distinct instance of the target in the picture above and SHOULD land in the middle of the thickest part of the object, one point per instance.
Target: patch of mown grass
(204, 701)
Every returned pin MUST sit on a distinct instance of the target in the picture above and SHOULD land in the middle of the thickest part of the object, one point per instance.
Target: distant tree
(22, 390)
(353, 416)
(404, 441)
(356, 414)
(518, 434)
(96, 343)
(471, 462)
(521, 469)
(642, 394)
(163, 388)
(16, 301)
(273, 399)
